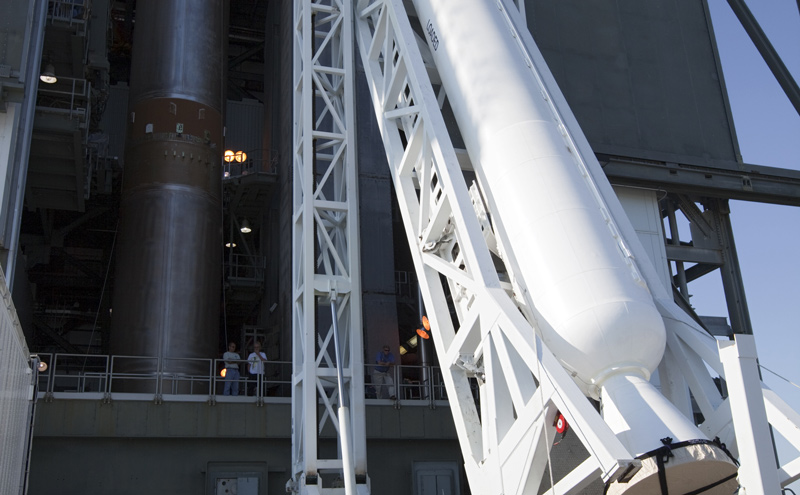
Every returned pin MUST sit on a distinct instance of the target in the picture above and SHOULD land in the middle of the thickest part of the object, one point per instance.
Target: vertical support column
(326, 264)
(731, 272)
(675, 240)
(23, 37)
(757, 473)
(304, 445)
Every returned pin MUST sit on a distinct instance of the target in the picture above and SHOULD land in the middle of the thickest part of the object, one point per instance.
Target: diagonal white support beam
(785, 420)
(575, 482)
(487, 343)
(490, 345)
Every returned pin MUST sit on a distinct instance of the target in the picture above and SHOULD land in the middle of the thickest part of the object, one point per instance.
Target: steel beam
(489, 344)
(767, 51)
(744, 182)
(326, 262)
(757, 473)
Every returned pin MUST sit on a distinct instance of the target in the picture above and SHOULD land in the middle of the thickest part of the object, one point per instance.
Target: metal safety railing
(407, 383)
(71, 12)
(117, 377)
(272, 379)
(254, 163)
(246, 267)
(69, 97)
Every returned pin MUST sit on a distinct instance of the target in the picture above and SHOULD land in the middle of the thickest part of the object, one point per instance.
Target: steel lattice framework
(486, 328)
(326, 259)
(506, 434)
(522, 386)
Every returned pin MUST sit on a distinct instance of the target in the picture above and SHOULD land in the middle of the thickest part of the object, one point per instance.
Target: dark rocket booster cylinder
(168, 273)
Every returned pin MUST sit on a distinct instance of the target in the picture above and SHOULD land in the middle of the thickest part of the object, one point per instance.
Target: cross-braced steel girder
(486, 330)
(326, 291)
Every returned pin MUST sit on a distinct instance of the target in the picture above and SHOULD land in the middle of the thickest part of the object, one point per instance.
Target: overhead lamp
(48, 75)
(234, 156)
(424, 332)
(245, 227)
(230, 244)
(409, 344)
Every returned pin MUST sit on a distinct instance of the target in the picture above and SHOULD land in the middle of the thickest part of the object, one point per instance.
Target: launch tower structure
(326, 345)
(494, 326)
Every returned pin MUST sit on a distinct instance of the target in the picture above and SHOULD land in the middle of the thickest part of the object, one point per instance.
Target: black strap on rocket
(664, 453)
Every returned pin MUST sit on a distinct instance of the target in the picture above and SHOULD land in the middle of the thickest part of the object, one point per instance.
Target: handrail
(121, 377)
(68, 11)
(251, 165)
(247, 266)
(69, 95)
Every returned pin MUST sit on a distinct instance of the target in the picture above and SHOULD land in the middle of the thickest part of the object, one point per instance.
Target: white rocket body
(573, 268)
(606, 329)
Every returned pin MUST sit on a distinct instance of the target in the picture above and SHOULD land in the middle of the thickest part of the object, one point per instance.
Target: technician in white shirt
(255, 362)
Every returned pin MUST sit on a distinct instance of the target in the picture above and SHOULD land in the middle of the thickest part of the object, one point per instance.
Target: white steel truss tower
(491, 344)
(492, 341)
(326, 290)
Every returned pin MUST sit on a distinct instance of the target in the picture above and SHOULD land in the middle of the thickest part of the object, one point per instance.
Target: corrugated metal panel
(244, 128)
(15, 380)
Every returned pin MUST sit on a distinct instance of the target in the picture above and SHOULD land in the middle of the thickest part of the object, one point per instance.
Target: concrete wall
(123, 447)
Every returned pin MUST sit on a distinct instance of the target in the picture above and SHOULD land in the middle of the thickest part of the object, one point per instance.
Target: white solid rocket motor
(607, 331)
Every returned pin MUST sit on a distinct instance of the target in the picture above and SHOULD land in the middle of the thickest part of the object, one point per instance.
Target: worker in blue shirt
(382, 374)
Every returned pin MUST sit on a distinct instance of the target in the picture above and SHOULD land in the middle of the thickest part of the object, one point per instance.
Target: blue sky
(768, 130)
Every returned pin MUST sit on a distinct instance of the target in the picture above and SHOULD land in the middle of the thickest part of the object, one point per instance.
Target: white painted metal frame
(749, 415)
(489, 343)
(326, 258)
(742, 419)
(691, 352)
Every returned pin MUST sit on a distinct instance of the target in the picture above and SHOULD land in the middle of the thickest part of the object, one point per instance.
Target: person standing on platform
(382, 374)
(255, 362)
(231, 370)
